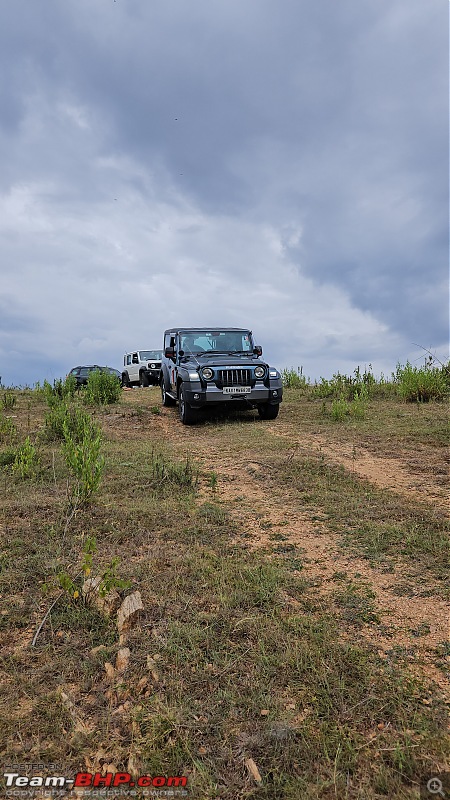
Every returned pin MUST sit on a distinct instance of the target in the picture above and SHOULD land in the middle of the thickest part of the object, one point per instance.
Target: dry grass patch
(235, 662)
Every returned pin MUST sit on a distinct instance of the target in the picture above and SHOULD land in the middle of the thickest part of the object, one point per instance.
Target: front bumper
(154, 375)
(197, 395)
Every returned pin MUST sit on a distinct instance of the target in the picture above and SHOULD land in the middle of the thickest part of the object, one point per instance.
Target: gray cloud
(174, 162)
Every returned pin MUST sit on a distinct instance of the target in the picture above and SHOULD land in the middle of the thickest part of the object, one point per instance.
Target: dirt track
(241, 490)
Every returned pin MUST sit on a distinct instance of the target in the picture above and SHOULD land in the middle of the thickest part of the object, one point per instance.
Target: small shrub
(63, 420)
(294, 379)
(109, 578)
(323, 389)
(356, 408)
(8, 401)
(340, 409)
(54, 422)
(26, 460)
(60, 391)
(82, 454)
(359, 405)
(81, 438)
(422, 384)
(102, 389)
(347, 386)
(212, 481)
(338, 387)
(8, 429)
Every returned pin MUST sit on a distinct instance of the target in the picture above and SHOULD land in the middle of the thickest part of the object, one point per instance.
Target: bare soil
(423, 477)
(413, 624)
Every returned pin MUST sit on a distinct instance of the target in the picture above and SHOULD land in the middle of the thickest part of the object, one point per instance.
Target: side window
(128, 359)
(135, 358)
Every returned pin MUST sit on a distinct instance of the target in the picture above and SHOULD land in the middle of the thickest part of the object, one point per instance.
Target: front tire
(268, 411)
(143, 380)
(166, 399)
(188, 415)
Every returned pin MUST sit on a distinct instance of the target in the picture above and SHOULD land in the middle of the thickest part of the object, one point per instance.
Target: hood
(223, 360)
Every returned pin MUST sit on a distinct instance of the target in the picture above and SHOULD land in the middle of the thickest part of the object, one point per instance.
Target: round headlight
(207, 373)
(259, 372)
(152, 366)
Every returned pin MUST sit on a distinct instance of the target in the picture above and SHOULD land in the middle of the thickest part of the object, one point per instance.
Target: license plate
(237, 389)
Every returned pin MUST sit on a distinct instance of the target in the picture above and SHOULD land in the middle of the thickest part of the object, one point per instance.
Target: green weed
(294, 379)
(61, 390)
(359, 404)
(82, 453)
(362, 384)
(64, 421)
(102, 389)
(212, 481)
(7, 457)
(8, 429)
(166, 472)
(212, 514)
(355, 408)
(357, 604)
(340, 409)
(8, 401)
(26, 461)
(422, 384)
(109, 577)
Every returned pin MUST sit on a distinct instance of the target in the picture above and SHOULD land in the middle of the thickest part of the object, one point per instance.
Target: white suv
(141, 368)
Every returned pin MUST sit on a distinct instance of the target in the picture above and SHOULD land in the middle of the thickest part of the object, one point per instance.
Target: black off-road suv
(203, 367)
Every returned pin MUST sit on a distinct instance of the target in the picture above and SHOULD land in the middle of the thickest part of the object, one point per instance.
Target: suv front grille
(235, 377)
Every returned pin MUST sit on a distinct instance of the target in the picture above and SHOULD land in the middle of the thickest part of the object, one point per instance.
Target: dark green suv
(205, 367)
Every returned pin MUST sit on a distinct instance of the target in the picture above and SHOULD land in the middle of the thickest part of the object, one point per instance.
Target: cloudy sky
(275, 164)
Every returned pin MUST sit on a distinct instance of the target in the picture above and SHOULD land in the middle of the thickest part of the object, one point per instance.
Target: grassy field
(293, 641)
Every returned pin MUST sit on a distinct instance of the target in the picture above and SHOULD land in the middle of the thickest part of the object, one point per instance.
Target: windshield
(151, 355)
(217, 341)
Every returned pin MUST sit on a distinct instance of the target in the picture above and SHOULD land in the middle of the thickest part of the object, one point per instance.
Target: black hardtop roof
(87, 366)
(210, 328)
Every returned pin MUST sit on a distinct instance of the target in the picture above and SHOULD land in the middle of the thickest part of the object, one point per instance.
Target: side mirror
(169, 352)
(257, 350)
